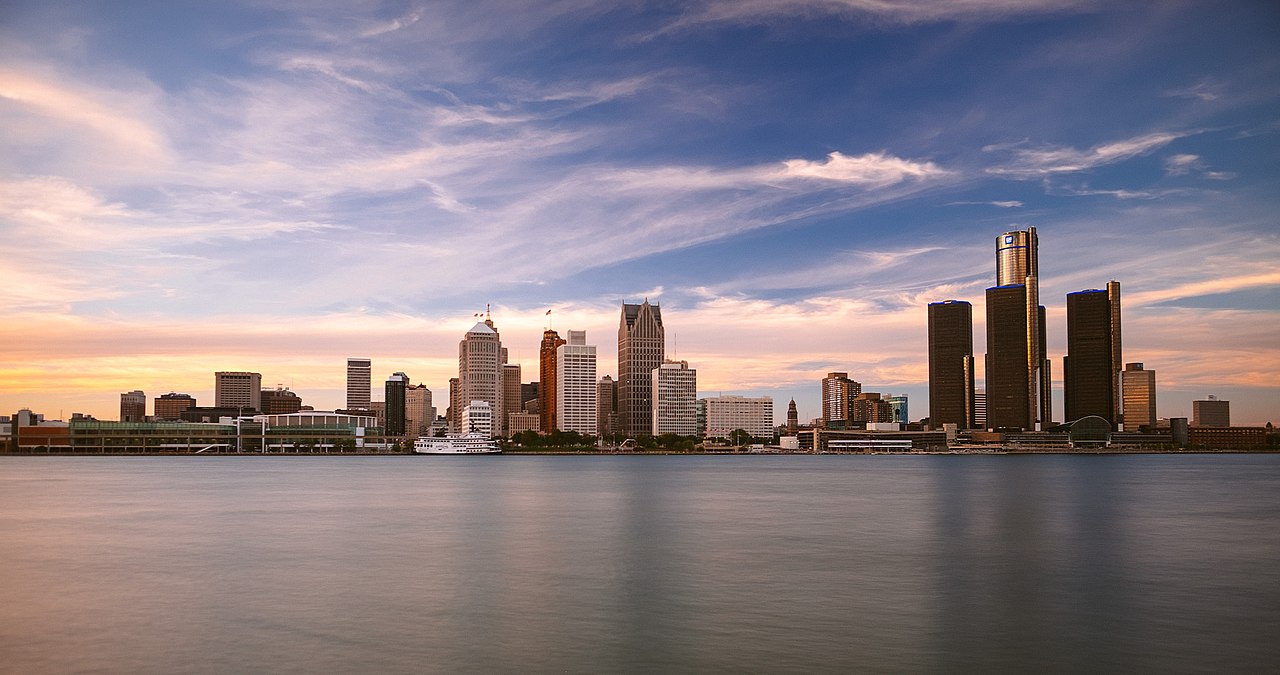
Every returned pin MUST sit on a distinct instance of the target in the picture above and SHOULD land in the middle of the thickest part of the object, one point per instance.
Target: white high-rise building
(478, 417)
(728, 413)
(480, 370)
(237, 390)
(576, 385)
(675, 399)
(359, 383)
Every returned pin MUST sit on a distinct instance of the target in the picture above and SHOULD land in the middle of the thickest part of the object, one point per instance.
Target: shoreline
(662, 453)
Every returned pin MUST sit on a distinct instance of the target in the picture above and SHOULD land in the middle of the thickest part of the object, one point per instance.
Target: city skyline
(275, 190)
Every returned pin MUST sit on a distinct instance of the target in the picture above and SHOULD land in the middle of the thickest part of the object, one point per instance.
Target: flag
(548, 312)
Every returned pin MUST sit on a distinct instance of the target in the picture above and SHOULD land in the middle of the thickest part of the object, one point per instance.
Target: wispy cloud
(897, 11)
(1204, 90)
(1029, 162)
(1184, 164)
(1005, 204)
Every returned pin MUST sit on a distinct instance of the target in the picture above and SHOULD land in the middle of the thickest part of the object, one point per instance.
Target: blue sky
(276, 186)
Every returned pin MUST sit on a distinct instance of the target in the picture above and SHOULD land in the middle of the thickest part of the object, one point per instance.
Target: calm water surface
(640, 564)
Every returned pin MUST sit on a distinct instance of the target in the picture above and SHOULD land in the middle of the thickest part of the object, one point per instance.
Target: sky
(275, 186)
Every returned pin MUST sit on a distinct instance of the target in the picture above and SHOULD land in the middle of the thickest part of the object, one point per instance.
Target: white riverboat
(467, 444)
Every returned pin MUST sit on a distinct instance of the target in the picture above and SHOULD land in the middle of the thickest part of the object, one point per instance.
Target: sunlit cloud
(872, 169)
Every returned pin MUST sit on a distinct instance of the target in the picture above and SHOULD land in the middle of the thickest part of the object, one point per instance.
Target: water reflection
(671, 564)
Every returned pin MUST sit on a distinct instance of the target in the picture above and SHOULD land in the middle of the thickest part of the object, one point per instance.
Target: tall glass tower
(1018, 266)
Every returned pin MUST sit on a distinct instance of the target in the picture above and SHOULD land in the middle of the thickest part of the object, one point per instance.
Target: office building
(520, 422)
(133, 406)
(169, 407)
(951, 377)
(359, 383)
(480, 369)
(1212, 412)
(838, 392)
(980, 409)
(237, 390)
(793, 418)
(606, 406)
(453, 413)
(551, 341)
(725, 414)
(477, 417)
(641, 349)
(394, 421)
(674, 393)
(419, 412)
(280, 401)
(898, 406)
(511, 394)
(576, 404)
(869, 407)
(529, 393)
(1138, 390)
(1090, 371)
(1015, 319)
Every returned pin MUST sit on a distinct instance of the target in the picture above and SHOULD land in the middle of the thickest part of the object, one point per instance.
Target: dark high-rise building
(169, 406)
(606, 406)
(280, 401)
(641, 349)
(1009, 401)
(547, 374)
(1018, 264)
(1089, 370)
(1211, 412)
(396, 421)
(793, 419)
(453, 414)
(951, 364)
(133, 406)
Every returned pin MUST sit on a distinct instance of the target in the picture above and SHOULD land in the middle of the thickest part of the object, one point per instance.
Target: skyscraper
(1139, 391)
(133, 406)
(1009, 401)
(951, 364)
(551, 340)
(395, 391)
(606, 406)
(793, 419)
(237, 390)
(1089, 370)
(1018, 267)
(576, 385)
(453, 414)
(359, 383)
(511, 391)
(641, 349)
(480, 370)
(838, 392)
(419, 413)
(674, 396)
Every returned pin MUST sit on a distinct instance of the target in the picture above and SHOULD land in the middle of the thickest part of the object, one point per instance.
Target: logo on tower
(1008, 238)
